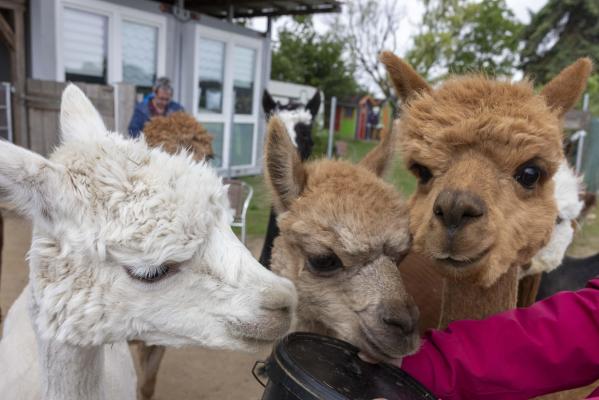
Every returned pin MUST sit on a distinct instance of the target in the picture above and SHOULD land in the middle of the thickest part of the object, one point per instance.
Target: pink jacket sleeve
(518, 354)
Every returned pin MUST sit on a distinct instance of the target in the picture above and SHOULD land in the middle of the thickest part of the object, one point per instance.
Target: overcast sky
(412, 9)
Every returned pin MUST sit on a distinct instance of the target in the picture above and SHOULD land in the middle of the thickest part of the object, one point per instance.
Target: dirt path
(189, 373)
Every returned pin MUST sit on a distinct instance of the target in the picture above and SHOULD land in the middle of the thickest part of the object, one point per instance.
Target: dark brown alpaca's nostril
(455, 208)
(403, 321)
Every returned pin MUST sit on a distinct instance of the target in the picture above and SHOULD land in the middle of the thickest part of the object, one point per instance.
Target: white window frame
(115, 15)
(230, 40)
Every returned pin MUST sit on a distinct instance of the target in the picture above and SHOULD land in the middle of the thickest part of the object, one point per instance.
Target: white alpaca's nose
(279, 296)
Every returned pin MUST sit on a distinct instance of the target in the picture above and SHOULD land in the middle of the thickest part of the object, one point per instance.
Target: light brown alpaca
(173, 133)
(484, 152)
(343, 234)
(178, 131)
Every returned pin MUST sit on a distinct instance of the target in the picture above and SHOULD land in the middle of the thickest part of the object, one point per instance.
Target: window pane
(243, 83)
(84, 46)
(140, 49)
(216, 129)
(212, 62)
(243, 141)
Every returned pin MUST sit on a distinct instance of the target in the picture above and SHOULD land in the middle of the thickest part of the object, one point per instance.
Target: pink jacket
(518, 354)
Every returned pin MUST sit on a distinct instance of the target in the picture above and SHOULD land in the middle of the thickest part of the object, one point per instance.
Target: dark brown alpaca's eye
(422, 173)
(528, 176)
(324, 265)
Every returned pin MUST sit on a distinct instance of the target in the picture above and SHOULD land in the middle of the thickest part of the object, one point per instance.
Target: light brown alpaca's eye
(422, 173)
(528, 176)
(324, 265)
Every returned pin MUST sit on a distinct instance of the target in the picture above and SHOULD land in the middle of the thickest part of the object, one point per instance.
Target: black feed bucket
(305, 366)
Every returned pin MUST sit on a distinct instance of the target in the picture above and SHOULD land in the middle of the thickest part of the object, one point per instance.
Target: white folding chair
(240, 194)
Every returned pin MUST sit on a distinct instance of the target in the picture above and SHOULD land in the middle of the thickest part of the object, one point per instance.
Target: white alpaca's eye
(149, 274)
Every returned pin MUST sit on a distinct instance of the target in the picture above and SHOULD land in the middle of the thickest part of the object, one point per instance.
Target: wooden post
(15, 38)
(19, 79)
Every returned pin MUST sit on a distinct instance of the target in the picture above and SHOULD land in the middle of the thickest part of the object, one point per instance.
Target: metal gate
(5, 111)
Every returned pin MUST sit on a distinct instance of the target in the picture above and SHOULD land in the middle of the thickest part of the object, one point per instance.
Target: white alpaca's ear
(29, 182)
(79, 119)
(379, 159)
(284, 170)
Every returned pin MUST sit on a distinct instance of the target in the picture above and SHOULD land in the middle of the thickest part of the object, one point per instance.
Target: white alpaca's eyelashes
(152, 273)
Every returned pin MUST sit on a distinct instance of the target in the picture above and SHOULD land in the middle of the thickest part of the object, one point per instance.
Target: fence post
(331, 126)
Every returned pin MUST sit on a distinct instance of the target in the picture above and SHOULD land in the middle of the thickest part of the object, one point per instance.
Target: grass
(259, 208)
(586, 239)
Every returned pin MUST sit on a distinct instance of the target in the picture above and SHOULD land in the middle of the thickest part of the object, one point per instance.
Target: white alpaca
(569, 206)
(128, 243)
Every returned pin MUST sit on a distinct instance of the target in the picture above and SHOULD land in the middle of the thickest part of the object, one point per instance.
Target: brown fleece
(179, 131)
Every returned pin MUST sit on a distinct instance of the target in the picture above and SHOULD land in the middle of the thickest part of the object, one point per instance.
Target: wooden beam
(13, 4)
(7, 34)
(21, 136)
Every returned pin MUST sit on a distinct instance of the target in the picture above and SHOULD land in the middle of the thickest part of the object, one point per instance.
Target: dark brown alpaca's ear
(283, 168)
(379, 159)
(407, 82)
(563, 91)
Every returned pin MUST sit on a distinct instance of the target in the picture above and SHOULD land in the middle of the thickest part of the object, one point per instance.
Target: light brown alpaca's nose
(456, 208)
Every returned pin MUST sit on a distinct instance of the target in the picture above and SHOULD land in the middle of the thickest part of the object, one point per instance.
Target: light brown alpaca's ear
(407, 82)
(563, 91)
(379, 159)
(284, 170)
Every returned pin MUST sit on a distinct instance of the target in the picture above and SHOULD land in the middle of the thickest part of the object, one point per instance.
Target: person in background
(158, 103)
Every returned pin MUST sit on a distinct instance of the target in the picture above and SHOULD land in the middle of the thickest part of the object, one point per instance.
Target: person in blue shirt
(157, 103)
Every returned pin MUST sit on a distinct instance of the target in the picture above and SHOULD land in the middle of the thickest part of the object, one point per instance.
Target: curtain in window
(140, 53)
(84, 46)
(211, 67)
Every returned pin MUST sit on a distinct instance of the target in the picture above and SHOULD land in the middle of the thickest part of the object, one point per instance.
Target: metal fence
(6, 128)
(590, 157)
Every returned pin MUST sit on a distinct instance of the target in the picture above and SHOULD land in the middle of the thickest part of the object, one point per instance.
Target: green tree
(459, 36)
(369, 27)
(304, 56)
(558, 34)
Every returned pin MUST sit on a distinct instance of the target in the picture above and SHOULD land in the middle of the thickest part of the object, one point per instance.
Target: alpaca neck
(71, 372)
(463, 299)
(67, 372)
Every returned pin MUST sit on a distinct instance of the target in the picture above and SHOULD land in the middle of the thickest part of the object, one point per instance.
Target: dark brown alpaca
(484, 152)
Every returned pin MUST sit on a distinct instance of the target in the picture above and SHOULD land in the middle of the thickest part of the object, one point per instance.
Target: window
(102, 42)
(85, 46)
(226, 68)
(217, 130)
(140, 54)
(245, 60)
(211, 70)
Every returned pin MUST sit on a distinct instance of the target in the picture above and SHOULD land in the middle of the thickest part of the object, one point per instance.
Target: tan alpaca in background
(343, 233)
(484, 152)
(179, 131)
(172, 133)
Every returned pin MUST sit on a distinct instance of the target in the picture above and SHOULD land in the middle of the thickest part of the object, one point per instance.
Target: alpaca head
(343, 233)
(179, 131)
(133, 243)
(298, 120)
(484, 152)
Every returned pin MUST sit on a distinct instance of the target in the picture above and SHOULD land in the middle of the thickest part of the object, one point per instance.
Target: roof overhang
(257, 8)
